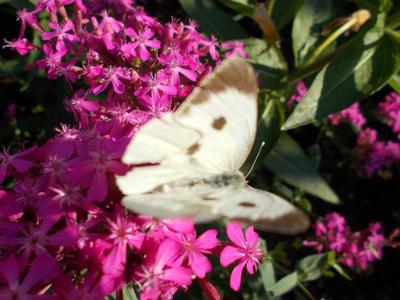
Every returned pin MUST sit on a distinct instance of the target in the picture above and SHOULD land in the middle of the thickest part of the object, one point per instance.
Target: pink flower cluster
(373, 155)
(354, 249)
(300, 91)
(351, 115)
(63, 232)
(389, 108)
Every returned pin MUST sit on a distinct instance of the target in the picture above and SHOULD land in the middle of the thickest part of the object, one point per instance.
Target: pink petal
(42, 269)
(252, 236)
(250, 265)
(166, 253)
(236, 276)
(208, 240)
(182, 225)
(9, 270)
(21, 165)
(199, 264)
(114, 263)
(235, 233)
(3, 171)
(118, 86)
(187, 73)
(66, 237)
(98, 188)
(180, 275)
(229, 254)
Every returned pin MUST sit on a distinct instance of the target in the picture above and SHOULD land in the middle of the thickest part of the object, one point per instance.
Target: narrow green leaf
(340, 270)
(310, 20)
(267, 273)
(213, 20)
(129, 293)
(284, 285)
(361, 69)
(289, 162)
(311, 267)
(241, 6)
(268, 62)
(283, 11)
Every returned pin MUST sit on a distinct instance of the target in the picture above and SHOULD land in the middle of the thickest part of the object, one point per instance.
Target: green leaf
(268, 62)
(311, 267)
(11, 67)
(284, 285)
(394, 82)
(361, 69)
(289, 162)
(268, 129)
(213, 20)
(241, 6)
(19, 3)
(283, 11)
(310, 20)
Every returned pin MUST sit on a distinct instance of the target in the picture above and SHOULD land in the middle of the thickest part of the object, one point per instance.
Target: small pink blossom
(244, 249)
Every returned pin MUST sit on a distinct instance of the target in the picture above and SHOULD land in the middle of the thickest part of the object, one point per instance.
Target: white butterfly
(198, 151)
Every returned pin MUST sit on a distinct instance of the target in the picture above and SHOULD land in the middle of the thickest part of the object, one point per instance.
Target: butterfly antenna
(255, 160)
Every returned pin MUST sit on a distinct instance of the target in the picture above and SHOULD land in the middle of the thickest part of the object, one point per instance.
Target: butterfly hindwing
(265, 210)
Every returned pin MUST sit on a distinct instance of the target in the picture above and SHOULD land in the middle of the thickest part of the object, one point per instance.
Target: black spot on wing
(247, 204)
(193, 149)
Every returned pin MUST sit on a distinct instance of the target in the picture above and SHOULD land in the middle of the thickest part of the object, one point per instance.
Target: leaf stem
(306, 291)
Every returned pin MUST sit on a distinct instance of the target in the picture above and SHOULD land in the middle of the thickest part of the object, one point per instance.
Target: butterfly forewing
(224, 110)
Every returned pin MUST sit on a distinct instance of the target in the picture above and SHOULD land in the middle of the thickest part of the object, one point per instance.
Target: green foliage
(283, 11)
(362, 68)
(289, 162)
(213, 20)
(310, 20)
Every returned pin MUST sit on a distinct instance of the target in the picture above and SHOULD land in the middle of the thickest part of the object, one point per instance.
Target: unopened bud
(362, 16)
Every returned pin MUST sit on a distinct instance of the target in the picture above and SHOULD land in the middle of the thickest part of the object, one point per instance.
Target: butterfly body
(205, 185)
(196, 153)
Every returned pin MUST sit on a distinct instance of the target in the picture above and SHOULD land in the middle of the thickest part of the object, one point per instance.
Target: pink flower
(300, 92)
(352, 115)
(157, 276)
(234, 48)
(62, 34)
(354, 249)
(22, 46)
(245, 249)
(111, 75)
(390, 110)
(17, 161)
(141, 41)
(193, 250)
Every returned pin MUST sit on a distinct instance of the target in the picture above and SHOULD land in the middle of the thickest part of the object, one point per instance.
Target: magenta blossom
(193, 250)
(245, 250)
